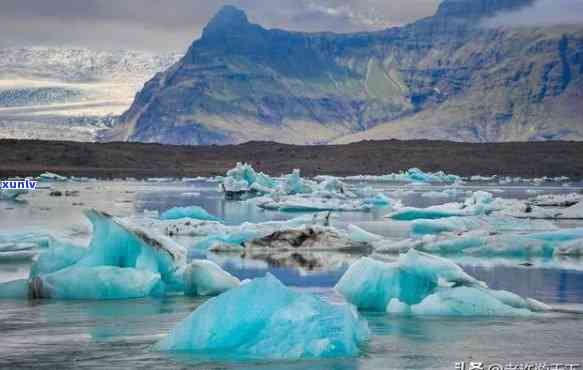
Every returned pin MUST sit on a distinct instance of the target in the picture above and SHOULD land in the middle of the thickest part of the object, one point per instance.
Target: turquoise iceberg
(263, 319)
(422, 284)
(95, 283)
(118, 244)
(57, 257)
(194, 212)
(206, 278)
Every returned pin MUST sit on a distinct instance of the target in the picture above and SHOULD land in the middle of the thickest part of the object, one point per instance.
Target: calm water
(118, 334)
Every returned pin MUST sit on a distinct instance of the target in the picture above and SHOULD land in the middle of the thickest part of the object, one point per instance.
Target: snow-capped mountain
(70, 93)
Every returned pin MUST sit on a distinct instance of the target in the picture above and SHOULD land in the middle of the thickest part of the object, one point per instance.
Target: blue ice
(263, 319)
(193, 212)
(422, 284)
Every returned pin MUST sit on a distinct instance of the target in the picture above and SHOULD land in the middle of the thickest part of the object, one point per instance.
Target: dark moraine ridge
(108, 160)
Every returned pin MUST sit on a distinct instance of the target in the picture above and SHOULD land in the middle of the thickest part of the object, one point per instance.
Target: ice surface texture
(422, 284)
(194, 212)
(263, 319)
(206, 278)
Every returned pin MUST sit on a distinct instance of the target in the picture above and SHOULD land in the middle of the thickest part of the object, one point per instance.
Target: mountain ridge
(442, 77)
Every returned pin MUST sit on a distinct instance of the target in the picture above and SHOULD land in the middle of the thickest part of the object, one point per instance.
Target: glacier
(264, 319)
(422, 284)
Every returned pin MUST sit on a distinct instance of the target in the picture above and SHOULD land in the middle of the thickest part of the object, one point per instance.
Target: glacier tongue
(263, 319)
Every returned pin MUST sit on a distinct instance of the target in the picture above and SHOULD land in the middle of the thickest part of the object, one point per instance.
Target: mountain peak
(227, 18)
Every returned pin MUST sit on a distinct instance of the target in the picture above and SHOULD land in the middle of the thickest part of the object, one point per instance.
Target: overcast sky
(174, 24)
(171, 25)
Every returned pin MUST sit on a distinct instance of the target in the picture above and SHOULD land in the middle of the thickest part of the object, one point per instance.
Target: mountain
(70, 93)
(448, 76)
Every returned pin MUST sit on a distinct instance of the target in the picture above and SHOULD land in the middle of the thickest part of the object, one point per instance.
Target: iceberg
(298, 203)
(94, 283)
(49, 176)
(88, 283)
(22, 246)
(556, 200)
(193, 212)
(57, 257)
(312, 238)
(115, 243)
(122, 261)
(263, 319)
(243, 179)
(12, 194)
(206, 278)
(422, 284)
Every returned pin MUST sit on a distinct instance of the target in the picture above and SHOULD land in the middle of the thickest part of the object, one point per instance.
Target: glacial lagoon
(51, 333)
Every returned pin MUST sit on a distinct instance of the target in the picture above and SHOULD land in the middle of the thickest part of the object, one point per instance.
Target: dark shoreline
(119, 160)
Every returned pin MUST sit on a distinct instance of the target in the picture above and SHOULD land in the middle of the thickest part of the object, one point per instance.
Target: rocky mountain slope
(65, 93)
(442, 77)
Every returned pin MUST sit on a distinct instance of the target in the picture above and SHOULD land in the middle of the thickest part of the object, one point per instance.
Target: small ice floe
(22, 246)
(206, 278)
(556, 200)
(478, 203)
(122, 261)
(422, 284)
(263, 319)
(12, 194)
(49, 176)
(193, 212)
(306, 203)
(411, 175)
(242, 181)
(309, 238)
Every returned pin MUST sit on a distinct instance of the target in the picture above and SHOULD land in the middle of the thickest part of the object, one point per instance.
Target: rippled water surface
(118, 334)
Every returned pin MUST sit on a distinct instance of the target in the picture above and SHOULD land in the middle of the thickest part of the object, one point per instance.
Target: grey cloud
(173, 24)
(542, 13)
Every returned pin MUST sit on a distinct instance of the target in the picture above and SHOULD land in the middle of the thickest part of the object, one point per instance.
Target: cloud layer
(542, 13)
(173, 24)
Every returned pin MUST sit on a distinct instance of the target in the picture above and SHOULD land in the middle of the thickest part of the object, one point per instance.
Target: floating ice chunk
(571, 248)
(49, 176)
(359, 235)
(58, 256)
(22, 246)
(314, 238)
(295, 203)
(243, 179)
(294, 184)
(12, 194)
(556, 200)
(559, 235)
(95, 283)
(16, 289)
(423, 284)
(263, 319)
(206, 278)
(466, 301)
(115, 243)
(193, 212)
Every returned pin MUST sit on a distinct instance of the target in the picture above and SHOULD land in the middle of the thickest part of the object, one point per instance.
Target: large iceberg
(411, 175)
(193, 212)
(206, 278)
(122, 261)
(263, 319)
(115, 243)
(422, 284)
